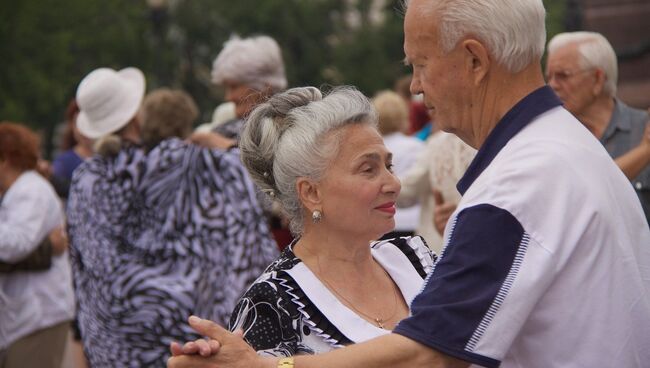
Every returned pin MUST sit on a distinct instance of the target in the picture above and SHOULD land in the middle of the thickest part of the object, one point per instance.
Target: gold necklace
(378, 320)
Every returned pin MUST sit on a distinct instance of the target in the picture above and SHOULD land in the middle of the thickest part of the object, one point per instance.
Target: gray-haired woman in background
(250, 69)
(324, 161)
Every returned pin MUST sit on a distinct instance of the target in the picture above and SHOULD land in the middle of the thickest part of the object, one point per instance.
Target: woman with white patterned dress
(324, 161)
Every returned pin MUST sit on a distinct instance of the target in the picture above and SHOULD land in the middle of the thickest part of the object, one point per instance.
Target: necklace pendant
(380, 323)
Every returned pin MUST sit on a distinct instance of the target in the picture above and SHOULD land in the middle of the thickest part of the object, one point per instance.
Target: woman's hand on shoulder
(212, 140)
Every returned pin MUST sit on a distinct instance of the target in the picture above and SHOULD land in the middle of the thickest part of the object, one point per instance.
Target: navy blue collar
(531, 106)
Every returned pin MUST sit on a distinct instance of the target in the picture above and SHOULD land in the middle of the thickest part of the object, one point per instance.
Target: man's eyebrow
(374, 156)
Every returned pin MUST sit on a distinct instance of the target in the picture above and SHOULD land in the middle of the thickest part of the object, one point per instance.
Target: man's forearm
(394, 351)
(634, 161)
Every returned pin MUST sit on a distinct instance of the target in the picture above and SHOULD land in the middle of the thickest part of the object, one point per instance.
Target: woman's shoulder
(269, 284)
(277, 299)
(415, 249)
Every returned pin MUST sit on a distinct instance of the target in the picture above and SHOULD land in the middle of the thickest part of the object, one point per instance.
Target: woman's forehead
(361, 140)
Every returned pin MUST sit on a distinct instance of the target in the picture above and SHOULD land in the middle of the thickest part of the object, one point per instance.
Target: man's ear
(309, 193)
(600, 80)
(477, 59)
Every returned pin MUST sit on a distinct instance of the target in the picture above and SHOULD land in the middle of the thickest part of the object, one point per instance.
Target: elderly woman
(250, 70)
(156, 234)
(36, 306)
(334, 285)
(392, 116)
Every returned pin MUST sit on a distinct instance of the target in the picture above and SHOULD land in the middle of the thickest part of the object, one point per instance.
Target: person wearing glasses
(583, 72)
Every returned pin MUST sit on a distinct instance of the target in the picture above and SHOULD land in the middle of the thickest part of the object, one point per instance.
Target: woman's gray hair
(595, 52)
(513, 31)
(255, 62)
(296, 134)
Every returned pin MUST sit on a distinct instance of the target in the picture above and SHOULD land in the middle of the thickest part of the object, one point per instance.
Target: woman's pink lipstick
(388, 207)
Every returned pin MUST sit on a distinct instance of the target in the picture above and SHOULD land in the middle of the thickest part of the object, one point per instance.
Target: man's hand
(202, 347)
(224, 349)
(441, 212)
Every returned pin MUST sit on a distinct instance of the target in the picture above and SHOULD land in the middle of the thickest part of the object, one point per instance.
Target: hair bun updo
(288, 137)
(263, 130)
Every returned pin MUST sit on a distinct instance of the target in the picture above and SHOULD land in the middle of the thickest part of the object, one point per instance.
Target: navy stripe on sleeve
(469, 276)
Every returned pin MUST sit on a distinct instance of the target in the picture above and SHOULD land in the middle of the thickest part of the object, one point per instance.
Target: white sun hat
(108, 100)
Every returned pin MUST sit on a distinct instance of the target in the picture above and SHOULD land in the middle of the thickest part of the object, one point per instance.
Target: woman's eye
(390, 167)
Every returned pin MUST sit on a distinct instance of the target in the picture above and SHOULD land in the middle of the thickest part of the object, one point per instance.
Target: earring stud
(316, 216)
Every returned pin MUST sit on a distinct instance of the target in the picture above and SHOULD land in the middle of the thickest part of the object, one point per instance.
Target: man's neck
(597, 115)
(496, 103)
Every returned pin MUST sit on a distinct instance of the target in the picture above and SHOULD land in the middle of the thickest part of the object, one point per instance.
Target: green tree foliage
(45, 50)
(47, 46)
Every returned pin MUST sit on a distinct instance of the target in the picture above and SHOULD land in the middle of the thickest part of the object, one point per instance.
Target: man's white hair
(595, 52)
(255, 62)
(513, 30)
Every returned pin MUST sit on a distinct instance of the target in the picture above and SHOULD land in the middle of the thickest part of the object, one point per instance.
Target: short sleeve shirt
(546, 260)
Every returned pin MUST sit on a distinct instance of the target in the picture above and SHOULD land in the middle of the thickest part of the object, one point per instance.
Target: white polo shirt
(547, 257)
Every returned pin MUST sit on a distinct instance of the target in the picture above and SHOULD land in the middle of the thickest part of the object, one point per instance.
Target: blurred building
(626, 24)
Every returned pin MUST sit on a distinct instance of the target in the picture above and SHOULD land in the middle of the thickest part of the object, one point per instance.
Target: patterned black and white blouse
(155, 238)
(289, 311)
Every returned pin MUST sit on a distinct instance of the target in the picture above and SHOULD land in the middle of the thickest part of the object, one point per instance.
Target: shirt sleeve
(478, 296)
(265, 317)
(21, 231)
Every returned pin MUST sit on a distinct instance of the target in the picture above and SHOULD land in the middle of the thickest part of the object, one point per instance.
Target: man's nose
(415, 87)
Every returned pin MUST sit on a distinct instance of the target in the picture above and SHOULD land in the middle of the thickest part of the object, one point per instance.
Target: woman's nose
(393, 185)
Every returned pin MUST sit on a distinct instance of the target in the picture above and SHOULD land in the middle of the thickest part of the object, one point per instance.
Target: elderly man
(546, 261)
(583, 71)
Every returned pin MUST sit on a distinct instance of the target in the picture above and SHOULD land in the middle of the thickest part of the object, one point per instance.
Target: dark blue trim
(467, 280)
(531, 106)
(456, 353)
